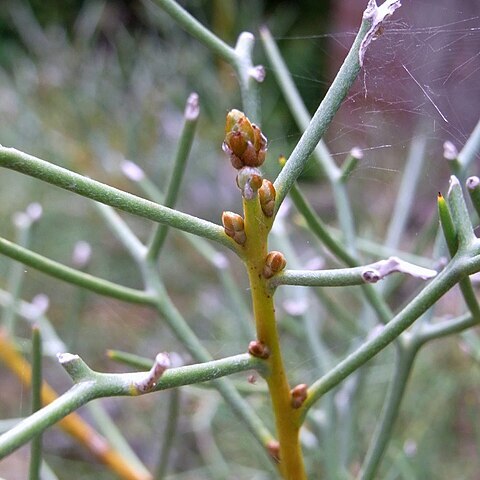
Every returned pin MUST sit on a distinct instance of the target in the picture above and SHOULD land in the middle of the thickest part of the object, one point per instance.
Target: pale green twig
(63, 178)
(471, 149)
(168, 433)
(391, 407)
(36, 446)
(473, 186)
(240, 57)
(192, 111)
(90, 385)
(70, 275)
(460, 267)
(332, 100)
(350, 276)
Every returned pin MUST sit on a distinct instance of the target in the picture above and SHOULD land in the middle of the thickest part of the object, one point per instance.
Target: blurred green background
(88, 84)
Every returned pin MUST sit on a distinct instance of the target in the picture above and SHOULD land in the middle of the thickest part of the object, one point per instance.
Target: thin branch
(195, 28)
(192, 111)
(91, 385)
(350, 276)
(383, 431)
(331, 103)
(471, 149)
(432, 331)
(63, 178)
(70, 275)
(455, 271)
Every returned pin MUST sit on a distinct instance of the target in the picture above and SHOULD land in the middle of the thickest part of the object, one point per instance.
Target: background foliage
(90, 84)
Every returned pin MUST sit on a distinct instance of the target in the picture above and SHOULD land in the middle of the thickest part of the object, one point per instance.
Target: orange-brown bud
(274, 263)
(299, 395)
(234, 227)
(267, 197)
(258, 349)
(244, 141)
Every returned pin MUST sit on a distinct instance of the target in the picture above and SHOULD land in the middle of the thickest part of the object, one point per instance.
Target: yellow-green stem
(287, 420)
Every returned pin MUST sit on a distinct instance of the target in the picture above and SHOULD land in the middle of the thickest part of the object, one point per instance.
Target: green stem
(460, 267)
(471, 149)
(63, 178)
(338, 277)
(473, 187)
(383, 432)
(70, 275)
(168, 434)
(320, 230)
(197, 30)
(188, 338)
(123, 232)
(185, 143)
(322, 118)
(36, 446)
(240, 57)
(16, 274)
(432, 331)
(93, 385)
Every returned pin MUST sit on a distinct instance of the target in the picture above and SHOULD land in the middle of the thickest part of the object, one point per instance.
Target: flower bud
(267, 193)
(299, 395)
(249, 180)
(244, 141)
(258, 349)
(234, 227)
(274, 263)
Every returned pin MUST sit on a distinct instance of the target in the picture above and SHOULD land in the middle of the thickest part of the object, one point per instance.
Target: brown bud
(258, 349)
(299, 395)
(267, 193)
(234, 227)
(274, 263)
(273, 447)
(244, 141)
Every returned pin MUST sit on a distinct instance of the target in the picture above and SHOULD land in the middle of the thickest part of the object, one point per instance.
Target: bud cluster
(244, 141)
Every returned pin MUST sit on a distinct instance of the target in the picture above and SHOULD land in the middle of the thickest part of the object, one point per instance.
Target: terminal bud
(244, 141)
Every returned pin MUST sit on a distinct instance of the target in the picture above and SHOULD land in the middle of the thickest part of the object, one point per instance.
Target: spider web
(420, 77)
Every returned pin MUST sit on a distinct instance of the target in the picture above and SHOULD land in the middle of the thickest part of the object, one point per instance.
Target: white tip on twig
(356, 152)
(192, 107)
(34, 211)
(162, 362)
(452, 183)
(472, 182)
(377, 15)
(450, 151)
(132, 171)
(65, 358)
(82, 252)
(258, 73)
(378, 270)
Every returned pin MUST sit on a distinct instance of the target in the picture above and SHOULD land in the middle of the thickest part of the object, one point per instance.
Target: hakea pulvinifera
(244, 141)
(234, 226)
